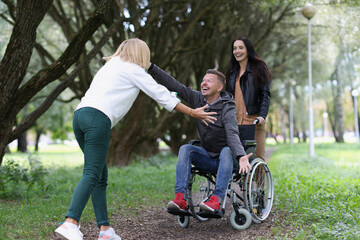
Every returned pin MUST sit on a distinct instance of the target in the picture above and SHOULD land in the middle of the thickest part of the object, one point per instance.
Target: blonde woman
(110, 96)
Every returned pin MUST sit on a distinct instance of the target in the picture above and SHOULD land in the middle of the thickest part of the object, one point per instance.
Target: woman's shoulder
(126, 66)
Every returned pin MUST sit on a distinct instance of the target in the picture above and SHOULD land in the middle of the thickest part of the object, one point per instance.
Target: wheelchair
(251, 195)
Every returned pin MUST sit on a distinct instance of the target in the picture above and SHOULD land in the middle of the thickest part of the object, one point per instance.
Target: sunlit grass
(142, 184)
(51, 156)
(321, 196)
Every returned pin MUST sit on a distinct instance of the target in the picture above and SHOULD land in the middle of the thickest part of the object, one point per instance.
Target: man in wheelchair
(219, 140)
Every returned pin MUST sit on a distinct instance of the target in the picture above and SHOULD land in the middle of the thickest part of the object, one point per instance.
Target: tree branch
(12, 12)
(18, 52)
(64, 62)
(30, 119)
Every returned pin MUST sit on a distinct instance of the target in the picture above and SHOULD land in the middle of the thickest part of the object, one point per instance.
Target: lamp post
(355, 94)
(291, 124)
(308, 12)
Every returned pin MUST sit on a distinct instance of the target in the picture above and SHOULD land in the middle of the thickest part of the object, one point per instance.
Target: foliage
(17, 181)
(316, 198)
(17, 88)
(146, 183)
(321, 196)
(185, 38)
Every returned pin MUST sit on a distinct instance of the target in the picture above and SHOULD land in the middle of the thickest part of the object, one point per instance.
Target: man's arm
(232, 131)
(186, 93)
(170, 83)
(233, 139)
(198, 113)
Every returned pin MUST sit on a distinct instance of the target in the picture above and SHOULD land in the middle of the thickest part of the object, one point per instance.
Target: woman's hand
(244, 165)
(205, 117)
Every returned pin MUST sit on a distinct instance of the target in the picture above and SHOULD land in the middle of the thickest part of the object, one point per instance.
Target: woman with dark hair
(248, 79)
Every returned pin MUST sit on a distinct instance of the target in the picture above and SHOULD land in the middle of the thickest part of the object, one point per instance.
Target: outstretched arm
(198, 113)
(170, 82)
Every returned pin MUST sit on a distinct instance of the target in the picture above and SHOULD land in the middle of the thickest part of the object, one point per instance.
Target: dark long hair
(260, 71)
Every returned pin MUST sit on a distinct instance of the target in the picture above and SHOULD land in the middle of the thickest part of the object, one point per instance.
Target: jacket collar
(248, 69)
(224, 98)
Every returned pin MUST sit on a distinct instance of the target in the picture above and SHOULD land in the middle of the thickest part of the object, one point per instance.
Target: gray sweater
(214, 137)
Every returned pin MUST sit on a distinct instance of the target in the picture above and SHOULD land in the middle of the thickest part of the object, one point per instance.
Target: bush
(18, 182)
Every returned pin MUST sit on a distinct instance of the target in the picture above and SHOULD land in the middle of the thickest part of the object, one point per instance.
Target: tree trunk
(22, 143)
(283, 127)
(7, 149)
(134, 130)
(5, 131)
(297, 133)
(179, 135)
(339, 107)
(304, 136)
(37, 139)
(331, 120)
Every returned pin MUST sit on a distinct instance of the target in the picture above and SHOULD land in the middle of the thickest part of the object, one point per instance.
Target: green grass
(316, 198)
(146, 183)
(319, 196)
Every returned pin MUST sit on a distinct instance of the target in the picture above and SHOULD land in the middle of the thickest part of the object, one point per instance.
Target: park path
(156, 223)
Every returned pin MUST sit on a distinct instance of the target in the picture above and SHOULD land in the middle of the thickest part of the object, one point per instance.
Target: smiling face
(211, 86)
(240, 51)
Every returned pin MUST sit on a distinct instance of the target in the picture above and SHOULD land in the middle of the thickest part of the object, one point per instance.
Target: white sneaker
(68, 231)
(109, 235)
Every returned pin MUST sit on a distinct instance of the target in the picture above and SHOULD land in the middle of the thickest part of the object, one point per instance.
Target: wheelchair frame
(251, 202)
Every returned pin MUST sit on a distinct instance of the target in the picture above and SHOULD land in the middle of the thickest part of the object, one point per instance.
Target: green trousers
(92, 132)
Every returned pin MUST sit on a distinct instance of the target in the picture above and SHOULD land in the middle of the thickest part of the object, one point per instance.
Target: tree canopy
(49, 46)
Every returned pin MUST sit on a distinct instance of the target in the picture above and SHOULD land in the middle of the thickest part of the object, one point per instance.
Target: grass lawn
(318, 198)
(38, 214)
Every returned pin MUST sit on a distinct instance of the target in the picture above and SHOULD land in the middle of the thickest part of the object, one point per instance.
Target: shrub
(18, 182)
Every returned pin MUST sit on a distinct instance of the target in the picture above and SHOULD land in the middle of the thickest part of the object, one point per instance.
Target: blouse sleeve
(150, 87)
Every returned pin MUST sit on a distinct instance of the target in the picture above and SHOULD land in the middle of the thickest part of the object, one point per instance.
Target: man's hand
(205, 117)
(261, 120)
(244, 164)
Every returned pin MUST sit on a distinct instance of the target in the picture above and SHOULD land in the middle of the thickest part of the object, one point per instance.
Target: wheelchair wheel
(259, 191)
(199, 189)
(241, 221)
(184, 221)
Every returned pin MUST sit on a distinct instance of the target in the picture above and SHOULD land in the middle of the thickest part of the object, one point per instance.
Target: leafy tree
(14, 92)
(185, 38)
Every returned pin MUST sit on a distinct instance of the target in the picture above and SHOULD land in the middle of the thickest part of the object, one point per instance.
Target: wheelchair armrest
(195, 142)
(250, 147)
(249, 143)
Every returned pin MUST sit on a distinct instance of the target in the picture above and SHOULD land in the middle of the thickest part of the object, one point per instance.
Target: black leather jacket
(214, 137)
(257, 100)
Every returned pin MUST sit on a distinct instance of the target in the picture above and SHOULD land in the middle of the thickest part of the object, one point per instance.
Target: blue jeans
(200, 158)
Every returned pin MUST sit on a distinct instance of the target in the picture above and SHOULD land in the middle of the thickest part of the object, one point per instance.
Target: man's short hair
(220, 76)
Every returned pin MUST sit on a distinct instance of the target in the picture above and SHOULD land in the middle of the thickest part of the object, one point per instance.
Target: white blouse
(116, 86)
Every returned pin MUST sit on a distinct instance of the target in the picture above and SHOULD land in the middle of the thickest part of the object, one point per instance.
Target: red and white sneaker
(108, 235)
(68, 231)
(211, 205)
(178, 203)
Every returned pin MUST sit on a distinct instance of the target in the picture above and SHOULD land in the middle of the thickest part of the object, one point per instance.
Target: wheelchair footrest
(179, 212)
(215, 214)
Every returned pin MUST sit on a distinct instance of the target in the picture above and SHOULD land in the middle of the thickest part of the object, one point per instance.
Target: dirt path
(156, 223)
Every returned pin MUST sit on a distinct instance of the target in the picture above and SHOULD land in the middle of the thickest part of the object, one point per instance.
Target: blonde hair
(133, 50)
